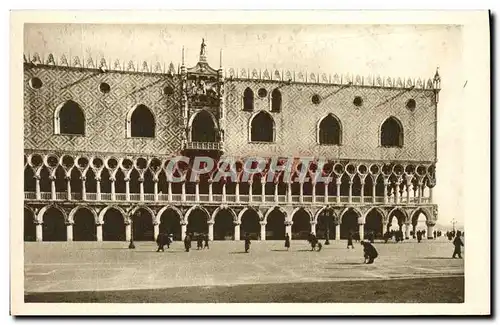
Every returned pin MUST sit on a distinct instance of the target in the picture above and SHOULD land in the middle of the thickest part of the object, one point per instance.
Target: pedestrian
(419, 236)
(287, 241)
(199, 242)
(168, 240)
(369, 251)
(320, 246)
(313, 241)
(457, 242)
(160, 240)
(247, 242)
(206, 242)
(349, 240)
(187, 242)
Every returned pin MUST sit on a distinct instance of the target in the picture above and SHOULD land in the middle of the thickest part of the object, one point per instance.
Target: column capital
(83, 178)
(263, 223)
(112, 179)
(52, 177)
(37, 177)
(141, 179)
(338, 181)
(236, 223)
(288, 222)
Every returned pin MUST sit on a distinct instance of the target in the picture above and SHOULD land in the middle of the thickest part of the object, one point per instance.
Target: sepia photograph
(309, 161)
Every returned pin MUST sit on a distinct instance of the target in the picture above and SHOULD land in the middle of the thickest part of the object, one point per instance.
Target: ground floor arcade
(115, 222)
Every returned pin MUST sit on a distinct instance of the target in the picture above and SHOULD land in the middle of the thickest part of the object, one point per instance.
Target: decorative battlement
(287, 76)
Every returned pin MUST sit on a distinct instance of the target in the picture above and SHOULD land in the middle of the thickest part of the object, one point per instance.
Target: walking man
(457, 242)
(247, 243)
(206, 242)
(287, 241)
(187, 242)
(349, 240)
(369, 251)
(160, 240)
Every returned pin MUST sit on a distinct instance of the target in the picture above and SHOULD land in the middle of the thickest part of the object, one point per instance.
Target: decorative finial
(437, 77)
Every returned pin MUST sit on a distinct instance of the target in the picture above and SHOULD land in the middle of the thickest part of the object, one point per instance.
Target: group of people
(369, 251)
(200, 240)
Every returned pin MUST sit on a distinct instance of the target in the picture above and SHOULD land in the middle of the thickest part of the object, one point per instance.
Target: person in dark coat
(206, 242)
(419, 236)
(160, 240)
(199, 241)
(247, 243)
(287, 241)
(369, 251)
(187, 242)
(167, 240)
(349, 240)
(457, 242)
(314, 241)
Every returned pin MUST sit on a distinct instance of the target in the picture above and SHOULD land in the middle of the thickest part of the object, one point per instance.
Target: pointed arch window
(203, 127)
(276, 101)
(330, 131)
(141, 123)
(391, 133)
(262, 128)
(69, 119)
(248, 100)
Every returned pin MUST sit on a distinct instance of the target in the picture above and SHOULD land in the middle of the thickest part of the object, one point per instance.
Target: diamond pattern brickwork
(296, 124)
(105, 114)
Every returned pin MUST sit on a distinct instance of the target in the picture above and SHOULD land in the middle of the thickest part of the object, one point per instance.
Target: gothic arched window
(203, 128)
(69, 119)
(248, 100)
(391, 133)
(276, 101)
(262, 128)
(330, 130)
(141, 123)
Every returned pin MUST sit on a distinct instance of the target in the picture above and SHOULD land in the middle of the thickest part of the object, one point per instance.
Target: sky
(386, 50)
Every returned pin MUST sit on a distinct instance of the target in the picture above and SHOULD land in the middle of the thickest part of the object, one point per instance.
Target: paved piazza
(82, 266)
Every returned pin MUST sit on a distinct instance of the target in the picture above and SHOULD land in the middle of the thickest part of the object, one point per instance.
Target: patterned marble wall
(296, 124)
(105, 113)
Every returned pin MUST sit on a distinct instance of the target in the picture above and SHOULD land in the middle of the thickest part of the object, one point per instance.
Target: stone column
(127, 189)
(408, 190)
(339, 181)
(183, 193)
(361, 228)
(350, 191)
(237, 231)
(237, 192)
(301, 193)
(210, 192)
(263, 189)
(155, 189)
(430, 230)
(326, 193)
(407, 230)
(276, 192)
(39, 231)
(128, 231)
(156, 230)
(84, 189)
(288, 228)
(362, 191)
(197, 191)
(430, 195)
(69, 232)
(113, 193)
(68, 188)
(386, 198)
(224, 192)
(263, 230)
(289, 192)
(396, 192)
(53, 187)
(37, 187)
(419, 192)
(183, 230)
(98, 188)
(337, 232)
(374, 187)
(141, 189)
(313, 227)
(99, 231)
(313, 192)
(211, 231)
(250, 194)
